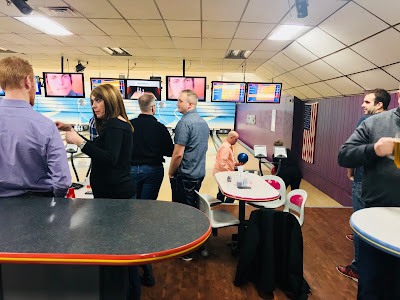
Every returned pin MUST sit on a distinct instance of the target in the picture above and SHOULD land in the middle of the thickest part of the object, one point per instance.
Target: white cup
(240, 169)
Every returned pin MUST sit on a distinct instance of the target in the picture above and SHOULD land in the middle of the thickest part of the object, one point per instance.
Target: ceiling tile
(260, 10)
(179, 9)
(149, 27)
(216, 43)
(299, 54)
(79, 26)
(159, 42)
(285, 85)
(43, 39)
(14, 26)
(393, 70)
(317, 12)
(324, 89)
(387, 42)
(99, 40)
(114, 26)
(136, 9)
(308, 92)
(264, 73)
(295, 92)
(262, 54)
(213, 29)
(284, 61)
(241, 44)
(319, 42)
(187, 43)
(375, 79)
(92, 51)
(305, 75)
(129, 41)
(362, 24)
(347, 62)
(322, 70)
(256, 31)
(273, 45)
(216, 10)
(94, 9)
(16, 39)
(345, 86)
(71, 40)
(388, 10)
(184, 28)
(292, 80)
(274, 68)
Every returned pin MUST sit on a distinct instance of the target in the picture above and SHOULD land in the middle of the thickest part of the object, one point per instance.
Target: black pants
(378, 274)
(221, 197)
(183, 189)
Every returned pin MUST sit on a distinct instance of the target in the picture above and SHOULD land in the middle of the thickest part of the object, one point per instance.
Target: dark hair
(278, 143)
(381, 95)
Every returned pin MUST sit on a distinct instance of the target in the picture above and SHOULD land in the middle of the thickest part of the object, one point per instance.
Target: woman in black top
(111, 151)
(289, 171)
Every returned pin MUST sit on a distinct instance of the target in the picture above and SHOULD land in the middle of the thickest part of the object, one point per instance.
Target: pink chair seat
(297, 200)
(274, 184)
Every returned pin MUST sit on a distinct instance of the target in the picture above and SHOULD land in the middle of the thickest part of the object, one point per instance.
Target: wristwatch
(82, 145)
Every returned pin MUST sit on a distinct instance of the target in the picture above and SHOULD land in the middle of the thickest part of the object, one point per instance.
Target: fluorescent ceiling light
(45, 25)
(287, 32)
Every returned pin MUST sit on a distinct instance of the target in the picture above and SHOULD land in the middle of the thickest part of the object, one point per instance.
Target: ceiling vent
(237, 54)
(59, 11)
(4, 50)
(116, 51)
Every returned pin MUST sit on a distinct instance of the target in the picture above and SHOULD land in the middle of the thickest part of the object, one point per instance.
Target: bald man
(225, 160)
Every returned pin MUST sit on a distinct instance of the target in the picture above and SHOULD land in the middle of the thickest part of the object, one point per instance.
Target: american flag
(310, 127)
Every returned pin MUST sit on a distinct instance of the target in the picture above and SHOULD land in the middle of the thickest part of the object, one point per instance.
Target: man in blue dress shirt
(33, 160)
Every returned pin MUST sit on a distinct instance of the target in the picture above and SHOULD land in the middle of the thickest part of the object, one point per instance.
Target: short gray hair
(191, 96)
(146, 101)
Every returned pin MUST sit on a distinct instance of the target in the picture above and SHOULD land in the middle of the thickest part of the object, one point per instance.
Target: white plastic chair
(277, 183)
(296, 200)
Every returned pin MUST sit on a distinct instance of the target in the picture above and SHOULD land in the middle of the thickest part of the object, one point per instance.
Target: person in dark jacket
(288, 171)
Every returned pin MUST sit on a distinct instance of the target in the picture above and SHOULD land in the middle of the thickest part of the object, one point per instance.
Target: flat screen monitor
(175, 84)
(63, 85)
(263, 92)
(224, 91)
(137, 87)
(118, 83)
(38, 90)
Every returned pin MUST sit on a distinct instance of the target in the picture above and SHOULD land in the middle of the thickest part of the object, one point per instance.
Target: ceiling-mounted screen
(263, 92)
(118, 83)
(137, 87)
(63, 85)
(224, 91)
(38, 90)
(175, 84)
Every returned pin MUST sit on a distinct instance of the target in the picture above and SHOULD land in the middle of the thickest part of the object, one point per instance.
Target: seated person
(288, 171)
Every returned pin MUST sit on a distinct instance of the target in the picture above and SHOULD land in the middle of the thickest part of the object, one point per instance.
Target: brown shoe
(348, 272)
(349, 237)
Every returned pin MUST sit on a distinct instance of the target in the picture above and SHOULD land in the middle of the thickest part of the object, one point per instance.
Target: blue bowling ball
(243, 158)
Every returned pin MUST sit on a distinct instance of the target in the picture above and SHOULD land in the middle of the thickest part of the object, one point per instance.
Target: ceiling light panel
(299, 54)
(375, 79)
(217, 10)
(319, 42)
(387, 42)
(348, 62)
(288, 32)
(256, 31)
(14, 26)
(361, 22)
(273, 45)
(212, 29)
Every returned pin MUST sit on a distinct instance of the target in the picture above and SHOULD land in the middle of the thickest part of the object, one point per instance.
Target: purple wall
(260, 133)
(336, 121)
(337, 118)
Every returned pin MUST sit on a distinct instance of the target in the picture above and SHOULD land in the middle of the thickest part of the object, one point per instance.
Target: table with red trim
(97, 232)
(260, 191)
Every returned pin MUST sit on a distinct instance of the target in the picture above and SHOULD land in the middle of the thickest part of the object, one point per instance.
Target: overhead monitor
(137, 87)
(224, 91)
(263, 92)
(118, 83)
(63, 85)
(38, 90)
(175, 85)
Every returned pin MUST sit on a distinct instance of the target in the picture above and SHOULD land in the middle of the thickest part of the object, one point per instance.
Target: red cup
(71, 193)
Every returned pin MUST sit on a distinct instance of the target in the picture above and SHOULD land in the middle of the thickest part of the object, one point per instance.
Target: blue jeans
(148, 181)
(356, 188)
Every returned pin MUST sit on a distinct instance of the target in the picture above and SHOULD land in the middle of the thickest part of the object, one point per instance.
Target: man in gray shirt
(188, 163)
